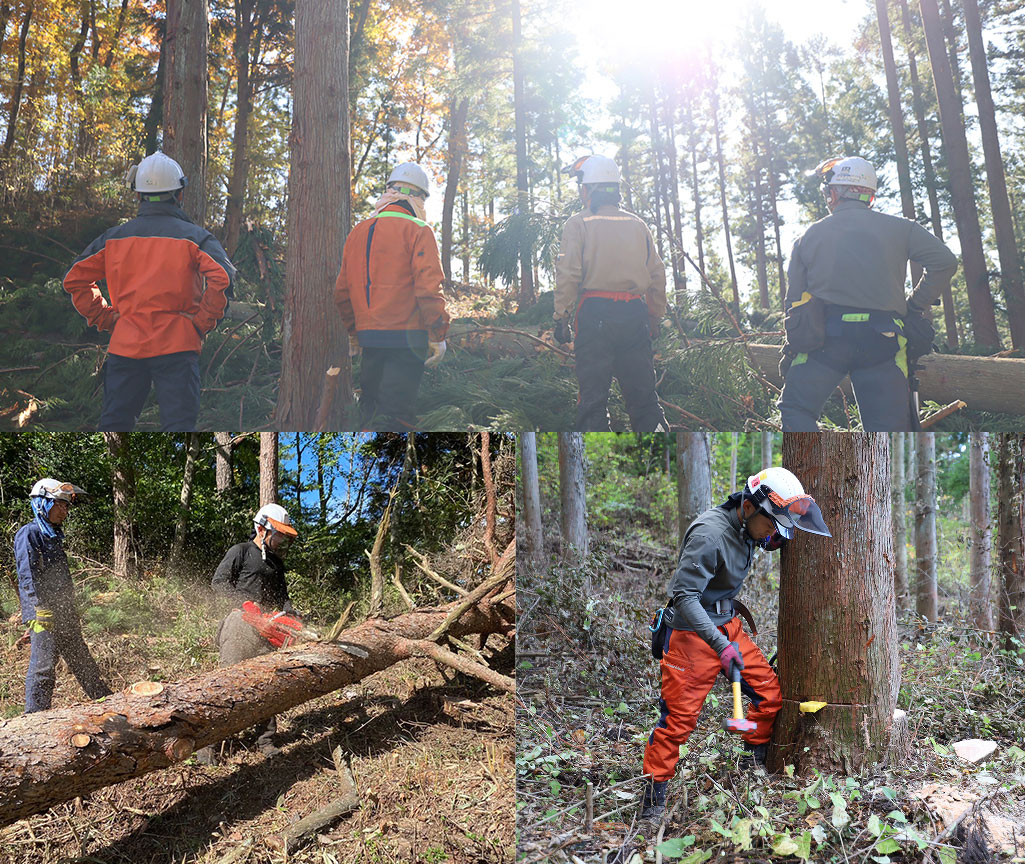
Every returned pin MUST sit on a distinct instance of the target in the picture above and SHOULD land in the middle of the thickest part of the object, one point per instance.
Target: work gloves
(437, 351)
(730, 655)
(563, 333)
(43, 621)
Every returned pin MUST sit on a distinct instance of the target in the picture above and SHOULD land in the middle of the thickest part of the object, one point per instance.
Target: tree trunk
(460, 107)
(761, 267)
(900, 526)
(123, 483)
(529, 531)
(268, 468)
(955, 145)
(527, 295)
(766, 449)
(572, 495)
(693, 478)
(734, 440)
(950, 321)
(699, 234)
(1003, 225)
(63, 753)
(925, 527)
(982, 534)
(155, 115)
(244, 14)
(847, 623)
(722, 200)
(185, 94)
(318, 218)
(1011, 537)
(466, 236)
(19, 82)
(222, 461)
(674, 199)
(181, 526)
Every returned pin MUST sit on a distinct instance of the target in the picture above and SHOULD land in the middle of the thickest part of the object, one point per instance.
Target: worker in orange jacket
(389, 295)
(158, 313)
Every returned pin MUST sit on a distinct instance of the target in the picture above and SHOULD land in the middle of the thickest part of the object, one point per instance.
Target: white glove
(437, 352)
(354, 346)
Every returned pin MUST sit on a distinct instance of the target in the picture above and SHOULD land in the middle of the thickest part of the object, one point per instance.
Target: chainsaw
(283, 630)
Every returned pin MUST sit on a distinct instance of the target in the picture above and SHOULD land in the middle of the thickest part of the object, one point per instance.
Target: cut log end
(179, 749)
(146, 688)
(80, 739)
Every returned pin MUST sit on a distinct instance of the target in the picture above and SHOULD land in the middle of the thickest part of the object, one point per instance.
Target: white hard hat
(58, 491)
(595, 169)
(275, 517)
(847, 171)
(782, 497)
(155, 174)
(410, 172)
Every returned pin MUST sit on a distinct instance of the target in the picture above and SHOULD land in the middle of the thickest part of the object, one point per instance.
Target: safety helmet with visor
(851, 177)
(56, 490)
(780, 495)
(280, 533)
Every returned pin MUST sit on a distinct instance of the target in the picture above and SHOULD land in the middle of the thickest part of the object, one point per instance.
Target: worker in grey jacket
(846, 309)
(705, 636)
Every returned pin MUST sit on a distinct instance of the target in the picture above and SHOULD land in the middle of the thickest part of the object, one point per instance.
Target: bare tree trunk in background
(982, 534)
(1003, 225)
(572, 495)
(699, 234)
(460, 107)
(734, 440)
(185, 95)
(466, 236)
(529, 531)
(527, 296)
(900, 522)
(268, 468)
(243, 31)
(927, 604)
(123, 482)
(722, 201)
(761, 267)
(848, 622)
(19, 83)
(1011, 537)
(660, 193)
(955, 147)
(181, 526)
(669, 113)
(766, 450)
(693, 478)
(222, 461)
(949, 318)
(313, 339)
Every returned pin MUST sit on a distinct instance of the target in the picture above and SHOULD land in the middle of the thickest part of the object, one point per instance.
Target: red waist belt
(611, 295)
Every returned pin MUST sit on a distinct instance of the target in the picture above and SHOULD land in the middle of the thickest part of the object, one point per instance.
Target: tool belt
(920, 333)
(662, 620)
(805, 325)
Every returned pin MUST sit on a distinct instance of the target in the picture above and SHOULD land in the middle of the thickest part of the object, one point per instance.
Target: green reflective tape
(902, 355)
(419, 222)
(855, 316)
(899, 322)
(799, 359)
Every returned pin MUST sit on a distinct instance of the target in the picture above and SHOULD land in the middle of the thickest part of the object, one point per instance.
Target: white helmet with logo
(57, 491)
(274, 517)
(155, 174)
(413, 174)
(847, 171)
(594, 169)
(781, 496)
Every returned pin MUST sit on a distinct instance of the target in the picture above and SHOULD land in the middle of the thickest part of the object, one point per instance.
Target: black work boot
(754, 756)
(653, 803)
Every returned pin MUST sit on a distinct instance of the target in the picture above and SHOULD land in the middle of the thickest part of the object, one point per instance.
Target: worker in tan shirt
(611, 281)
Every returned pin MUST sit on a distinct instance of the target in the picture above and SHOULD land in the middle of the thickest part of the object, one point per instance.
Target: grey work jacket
(714, 561)
(859, 257)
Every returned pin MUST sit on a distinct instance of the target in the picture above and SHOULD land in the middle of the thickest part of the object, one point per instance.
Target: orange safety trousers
(689, 669)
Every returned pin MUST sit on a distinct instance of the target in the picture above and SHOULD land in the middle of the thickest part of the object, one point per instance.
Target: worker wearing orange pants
(689, 669)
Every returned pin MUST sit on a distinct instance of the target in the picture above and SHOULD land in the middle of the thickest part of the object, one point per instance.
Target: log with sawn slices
(985, 383)
(56, 755)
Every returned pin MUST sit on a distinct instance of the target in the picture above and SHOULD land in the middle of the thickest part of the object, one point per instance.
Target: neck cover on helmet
(41, 512)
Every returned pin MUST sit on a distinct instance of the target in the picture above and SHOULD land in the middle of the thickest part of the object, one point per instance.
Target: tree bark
(693, 478)
(181, 526)
(318, 216)
(19, 82)
(123, 483)
(982, 534)
(925, 527)
(1011, 537)
(529, 530)
(527, 295)
(734, 441)
(185, 95)
(966, 215)
(1003, 225)
(460, 107)
(244, 19)
(222, 461)
(837, 624)
(900, 526)
(129, 735)
(722, 201)
(766, 449)
(572, 495)
(268, 468)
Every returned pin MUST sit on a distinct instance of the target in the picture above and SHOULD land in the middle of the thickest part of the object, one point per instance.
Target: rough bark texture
(123, 482)
(985, 383)
(318, 215)
(766, 449)
(181, 526)
(528, 531)
(222, 461)
(693, 477)
(572, 498)
(837, 625)
(1011, 537)
(982, 534)
(268, 468)
(184, 95)
(244, 13)
(460, 107)
(966, 215)
(925, 527)
(131, 735)
(900, 522)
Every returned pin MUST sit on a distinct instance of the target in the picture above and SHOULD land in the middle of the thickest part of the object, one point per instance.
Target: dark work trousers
(63, 639)
(126, 384)
(877, 365)
(389, 381)
(613, 341)
(238, 641)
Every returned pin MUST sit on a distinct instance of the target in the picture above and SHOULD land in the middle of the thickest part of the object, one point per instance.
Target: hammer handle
(738, 711)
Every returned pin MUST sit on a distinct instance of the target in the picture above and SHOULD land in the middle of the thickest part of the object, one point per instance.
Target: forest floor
(431, 756)
(588, 690)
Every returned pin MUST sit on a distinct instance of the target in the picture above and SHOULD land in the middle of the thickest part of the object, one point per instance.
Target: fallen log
(984, 383)
(56, 755)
